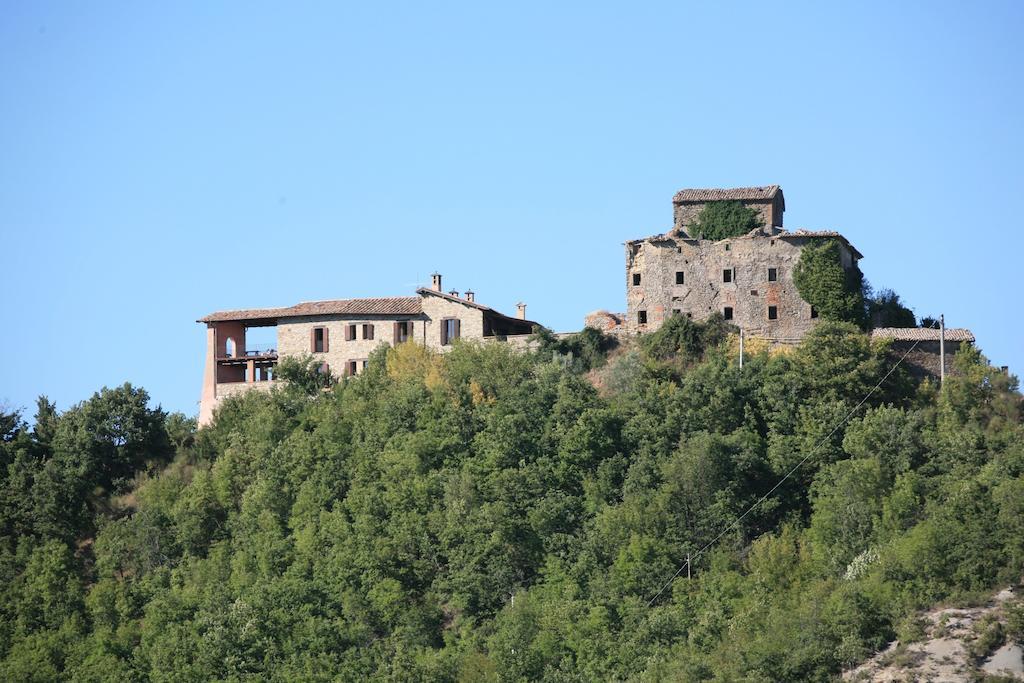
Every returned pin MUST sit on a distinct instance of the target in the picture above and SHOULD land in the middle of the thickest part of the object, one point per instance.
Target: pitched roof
(953, 334)
(471, 304)
(402, 305)
(717, 194)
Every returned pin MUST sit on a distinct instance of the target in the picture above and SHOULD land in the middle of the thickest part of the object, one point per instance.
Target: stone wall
(436, 309)
(924, 360)
(704, 291)
(294, 338)
(769, 210)
(235, 388)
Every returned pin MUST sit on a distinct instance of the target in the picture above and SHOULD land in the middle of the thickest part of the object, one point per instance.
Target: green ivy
(719, 220)
(837, 293)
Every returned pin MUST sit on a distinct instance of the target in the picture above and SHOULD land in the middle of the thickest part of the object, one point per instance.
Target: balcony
(249, 354)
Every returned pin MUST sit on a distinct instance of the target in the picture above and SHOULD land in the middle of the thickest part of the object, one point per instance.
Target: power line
(687, 564)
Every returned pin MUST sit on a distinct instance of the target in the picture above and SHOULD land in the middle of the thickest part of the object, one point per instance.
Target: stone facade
(747, 279)
(342, 334)
(768, 201)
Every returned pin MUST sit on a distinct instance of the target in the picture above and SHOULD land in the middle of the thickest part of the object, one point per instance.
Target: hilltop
(489, 514)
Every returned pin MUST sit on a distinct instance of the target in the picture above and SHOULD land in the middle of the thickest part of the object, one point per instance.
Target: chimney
(436, 286)
(454, 293)
(470, 296)
(521, 311)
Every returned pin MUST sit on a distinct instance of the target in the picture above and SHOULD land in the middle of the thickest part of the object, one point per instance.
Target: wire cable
(788, 474)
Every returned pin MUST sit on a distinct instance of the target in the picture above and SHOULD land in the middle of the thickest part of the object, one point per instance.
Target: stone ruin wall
(749, 294)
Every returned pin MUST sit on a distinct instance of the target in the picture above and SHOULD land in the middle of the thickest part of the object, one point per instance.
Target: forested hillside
(492, 515)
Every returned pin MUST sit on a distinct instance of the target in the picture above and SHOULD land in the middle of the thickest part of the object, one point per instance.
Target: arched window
(229, 347)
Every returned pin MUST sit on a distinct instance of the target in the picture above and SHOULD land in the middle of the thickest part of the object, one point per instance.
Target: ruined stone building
(919, 347)
(341, 334)
(747, 279)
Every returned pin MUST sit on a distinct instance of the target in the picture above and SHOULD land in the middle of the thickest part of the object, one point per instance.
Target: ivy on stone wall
(835, 292)
(719, 220)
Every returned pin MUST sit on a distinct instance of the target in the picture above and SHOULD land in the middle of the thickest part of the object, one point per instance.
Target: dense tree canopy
(490, 515)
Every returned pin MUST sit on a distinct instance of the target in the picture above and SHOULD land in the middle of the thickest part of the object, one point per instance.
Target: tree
(305, 373)
(837, 293)
(719, 220)
(886, 310)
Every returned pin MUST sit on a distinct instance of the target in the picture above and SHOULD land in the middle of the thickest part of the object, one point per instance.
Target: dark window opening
(350, 332)
(814, 312)
(680, 278)
(403, 331)
(773, 274)
(689, 315)
(753, 292)
(641, 317)
(367, 331)
(450, 330)
(319, 340)
(352, 368)
(727, 312)
(727, 247)
(773, 313)
(636, 279)
(727, 275)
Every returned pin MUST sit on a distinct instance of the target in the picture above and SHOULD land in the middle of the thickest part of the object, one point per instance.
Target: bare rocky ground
(956, 644)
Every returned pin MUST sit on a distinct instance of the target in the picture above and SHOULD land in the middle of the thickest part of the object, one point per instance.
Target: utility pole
(942, 350)
(688, 554)
(741, 347)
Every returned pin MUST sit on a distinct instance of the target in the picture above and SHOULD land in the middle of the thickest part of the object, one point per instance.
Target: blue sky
(159, 161)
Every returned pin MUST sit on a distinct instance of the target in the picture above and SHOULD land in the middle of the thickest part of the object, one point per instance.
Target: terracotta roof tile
(953, 334)
(404, 305)
(715, 194)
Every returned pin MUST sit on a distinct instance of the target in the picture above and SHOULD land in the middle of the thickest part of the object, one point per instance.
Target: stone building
(748, 279)
(920, 347)
(341, 334)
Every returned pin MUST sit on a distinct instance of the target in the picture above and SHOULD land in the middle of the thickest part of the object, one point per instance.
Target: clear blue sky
(159, 161)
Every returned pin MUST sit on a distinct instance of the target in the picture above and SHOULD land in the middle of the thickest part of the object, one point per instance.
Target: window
(367, 331)
(641, 317)
(350, 332)
(680, 278)
(318, 340)
(753, 292)
(727, 312)
(636, 279)
(689, 315)
(365, 363)
(450, 330)
(403, 331)
(773, 312)
(814, 312)
(727, 275)
(727, 246)
(229, 348)
(773, 274)
(352, 368)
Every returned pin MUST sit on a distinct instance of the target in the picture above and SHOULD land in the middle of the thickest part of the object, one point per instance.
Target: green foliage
(886, 310)
(305, 373)
(586, 349)
(837, 293)
(489, 515)
(723, 219)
